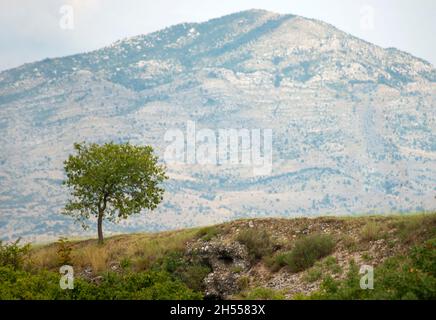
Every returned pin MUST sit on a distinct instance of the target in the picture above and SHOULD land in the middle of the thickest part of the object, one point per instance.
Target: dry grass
(413, 228)
(94, 256)
(141, 249)
(372, 231)
(44, 257)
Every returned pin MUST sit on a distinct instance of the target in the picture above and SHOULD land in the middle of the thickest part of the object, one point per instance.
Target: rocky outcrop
(226, 260)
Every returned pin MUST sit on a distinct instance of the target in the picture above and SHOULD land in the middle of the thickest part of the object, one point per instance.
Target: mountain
(353, 124)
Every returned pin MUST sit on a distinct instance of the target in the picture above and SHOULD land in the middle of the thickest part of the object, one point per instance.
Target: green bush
(64, 252)
(18, 284)
(22, 285)
(327, 266)
(208, 233)
(258, 242)
(150, 285)
(424, 257)
(193, 275)
(190, 271)
(401, 277)
(307, 251)
(13, 255)
(126, 263)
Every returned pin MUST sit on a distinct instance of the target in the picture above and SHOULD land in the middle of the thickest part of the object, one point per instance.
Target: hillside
(353, 123)
(245, 259)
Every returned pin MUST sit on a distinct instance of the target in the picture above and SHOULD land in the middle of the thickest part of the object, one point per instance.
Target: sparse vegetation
(327, 266)
(306, 252)
(208, 233)
(243, 282)
(258, 242)
(413, 228)
(401, 277)
(372, 231)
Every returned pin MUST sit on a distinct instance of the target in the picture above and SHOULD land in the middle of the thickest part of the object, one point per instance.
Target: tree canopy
(112, 181)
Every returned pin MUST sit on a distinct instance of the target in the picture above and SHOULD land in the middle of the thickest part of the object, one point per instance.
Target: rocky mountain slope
(354, 125)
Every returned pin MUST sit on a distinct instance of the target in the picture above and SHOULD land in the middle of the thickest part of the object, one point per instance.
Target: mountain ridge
(363, 114)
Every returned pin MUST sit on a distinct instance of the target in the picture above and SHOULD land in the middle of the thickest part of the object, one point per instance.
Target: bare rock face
(226, 261)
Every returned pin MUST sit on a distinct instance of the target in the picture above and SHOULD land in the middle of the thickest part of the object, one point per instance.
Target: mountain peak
(353, 122)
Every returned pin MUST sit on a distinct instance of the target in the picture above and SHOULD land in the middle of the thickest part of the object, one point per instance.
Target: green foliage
(327, 266)
(13, 255)
(125, 263)
(258, 242)
(22, 285)
(424, 257)
(190, 271)
(306, 252)
(193, 275)
(313, 275)
(18, 284)
(402, 277)
(264, 294)
(208, 233)
(112, 181)
(64, 252)
(275, 263)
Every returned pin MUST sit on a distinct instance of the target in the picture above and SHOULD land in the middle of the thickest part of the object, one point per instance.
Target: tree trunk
(100, 227)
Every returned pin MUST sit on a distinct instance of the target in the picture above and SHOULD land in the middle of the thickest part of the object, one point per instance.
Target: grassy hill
(298, 258)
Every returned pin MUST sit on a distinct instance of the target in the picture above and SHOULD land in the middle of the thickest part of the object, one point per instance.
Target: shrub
(151, 285)
(19, 284)
(313, 275)
(208, 233)
(424, 257)
(307, 251)
(327, 266)
(258, 242)
(371, 232)
(64, 252)
(191, 272)
(22, 285)
(125, 263)
(13, 255)
(243, 282)
(193, 275)
(278, 261)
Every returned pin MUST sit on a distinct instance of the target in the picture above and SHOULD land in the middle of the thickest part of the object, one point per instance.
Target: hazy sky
(35, 29)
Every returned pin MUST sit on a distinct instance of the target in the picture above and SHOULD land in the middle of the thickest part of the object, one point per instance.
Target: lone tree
(112, 181)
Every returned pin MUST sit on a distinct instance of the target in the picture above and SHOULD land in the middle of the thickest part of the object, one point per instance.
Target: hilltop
(247, 259)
